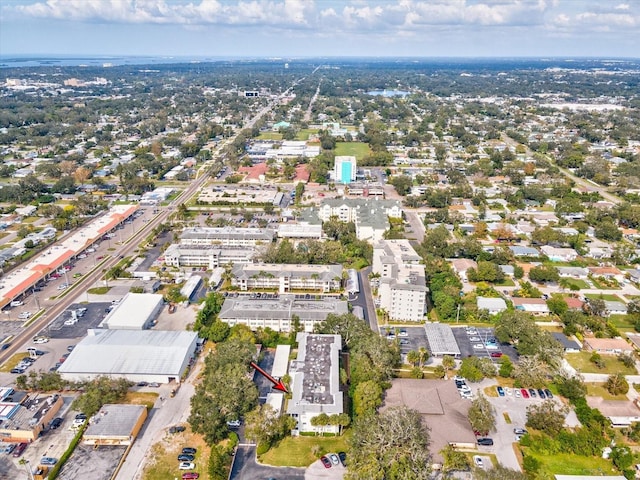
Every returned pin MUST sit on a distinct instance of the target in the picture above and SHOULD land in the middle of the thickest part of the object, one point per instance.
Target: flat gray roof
(281, 308)
(135, 310)
(114, 420)
(117, 352)
(441, 339)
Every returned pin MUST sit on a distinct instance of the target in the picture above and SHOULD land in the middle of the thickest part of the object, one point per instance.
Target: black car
(142, 384)
(343, 458)
(541, 393)
(81, 416)
(532, 393)
(55, 423)
(487, 442)
(5, 346)
(183, 457)
(548, 393)
(17, 370)
(189, 450)
(176, 429)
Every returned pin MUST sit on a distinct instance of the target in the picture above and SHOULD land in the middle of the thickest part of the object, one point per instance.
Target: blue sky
(281, 28)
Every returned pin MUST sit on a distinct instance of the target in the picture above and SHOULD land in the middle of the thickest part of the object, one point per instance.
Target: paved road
(365, 299)
(246, 468)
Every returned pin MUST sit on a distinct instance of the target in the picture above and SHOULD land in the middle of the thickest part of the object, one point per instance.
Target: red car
(496, 354)
(325, 461)
(524, 393)
(190, 475)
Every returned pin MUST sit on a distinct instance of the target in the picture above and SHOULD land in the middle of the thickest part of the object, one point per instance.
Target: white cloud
(622, 6)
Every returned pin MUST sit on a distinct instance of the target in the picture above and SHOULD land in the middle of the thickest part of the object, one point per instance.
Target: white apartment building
(315, 381)
(210, 256)
(226, 236)
(402, 289)
(287, 277)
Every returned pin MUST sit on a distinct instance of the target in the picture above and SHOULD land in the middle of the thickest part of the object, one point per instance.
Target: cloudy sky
(423, 28)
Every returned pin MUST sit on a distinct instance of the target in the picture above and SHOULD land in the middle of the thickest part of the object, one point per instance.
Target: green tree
(454, 460)
(617, 384)
(482, 415)
(547, 417)
(367, 397)
(394, 446)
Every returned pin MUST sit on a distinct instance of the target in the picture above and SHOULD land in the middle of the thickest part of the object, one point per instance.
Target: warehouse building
(277, 311)
(115, 425)
(24, 416)
(136, 311)
(136, 355)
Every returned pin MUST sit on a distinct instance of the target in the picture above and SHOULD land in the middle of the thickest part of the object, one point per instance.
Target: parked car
(478, 346)
(532, 393)
(186, 466)
(496, 354)
(524, 392)
(189, 450)
(19, 450)
(24, 316)
(325, 461)
(48, 461)
(486, 441)
(176, 429)
(17, 303)
(548, 393)
(517, 393)
(39, 340)
(403, 333)
(55, 423)
(334, 459)
(9, 448)
(478, 461)
(500, 391)
(343, 458)
(541, 393)
(519, 431)
(233, 424)
(190, 476)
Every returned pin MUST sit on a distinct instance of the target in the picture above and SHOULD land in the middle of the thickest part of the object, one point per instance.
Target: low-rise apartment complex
(286, 278)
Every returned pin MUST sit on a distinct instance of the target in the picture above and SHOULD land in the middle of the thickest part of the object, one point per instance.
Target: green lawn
(603, 286)
(296, 451)
(599, 390)
(358, 149)
(580, 361)
(622, 322)
(580, 284)
(304, 133)
(604, 296)
(270, 136)
(506, 282)
(569, 464)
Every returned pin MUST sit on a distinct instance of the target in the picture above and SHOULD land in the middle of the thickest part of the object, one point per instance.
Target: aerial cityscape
(359, 240)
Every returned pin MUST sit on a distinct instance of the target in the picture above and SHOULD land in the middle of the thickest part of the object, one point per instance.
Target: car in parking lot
(404, 341)
(325, 461)
(496, 354)
(334, 458)
(186, 466)
(485, 441)
(55, 423)
(548, 393)
(532, 393)
(17, 303)
(176, 429)
(63, 286)
(9, 448)
(519, 431)
(517, 393)
(24, 316)
(478, 346)
(478, 461)
(186, 457)
(190, 476)
(189, 450)
(403, 333)
(48, 461)
(17, 371)
(500, 391)
(541, 393)
(524, 393)
(475, 339)
(39, 340)
(233, 423)
(343, 458)
(19, 450)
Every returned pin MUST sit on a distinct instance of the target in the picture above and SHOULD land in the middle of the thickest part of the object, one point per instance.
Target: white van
(17, 303)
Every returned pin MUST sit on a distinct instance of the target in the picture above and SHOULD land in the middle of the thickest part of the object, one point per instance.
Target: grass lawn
(98, 290)
(580, 284)
(569, 464)
(507, 282)
(270, 136)
(598, 390)
(580, 361)
(304, 133)
(13, 361)
(602, 286)
(141, 398)
(622, 322)
(358, 149)
(609, 297)
(296, 451)
(163, 462)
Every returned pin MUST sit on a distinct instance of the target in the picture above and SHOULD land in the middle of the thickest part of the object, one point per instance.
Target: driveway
(246, 468)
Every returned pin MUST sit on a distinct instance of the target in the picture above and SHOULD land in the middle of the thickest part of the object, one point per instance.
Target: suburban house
(492, 305)
(608, 346)
(535, 306)
(569, 346)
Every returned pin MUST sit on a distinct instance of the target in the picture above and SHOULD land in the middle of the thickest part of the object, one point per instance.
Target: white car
(403, 333)
(70, 322)
(17, 303)
(187, 466)
(517, 393)
(508, 391)
(478, 346)
(63, 286)
(478, 461)
(24, 315)
(40, 340)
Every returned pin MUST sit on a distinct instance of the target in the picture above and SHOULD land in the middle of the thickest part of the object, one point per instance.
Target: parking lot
(409, 338)
(96, 463)
(480, 342)
(65, 326)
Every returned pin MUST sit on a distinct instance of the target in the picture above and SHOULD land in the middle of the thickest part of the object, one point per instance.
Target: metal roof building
(115, 425)
(137, 355)
(137, 311)
(441, 340)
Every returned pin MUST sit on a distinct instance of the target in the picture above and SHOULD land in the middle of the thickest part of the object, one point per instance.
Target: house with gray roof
(492, 305)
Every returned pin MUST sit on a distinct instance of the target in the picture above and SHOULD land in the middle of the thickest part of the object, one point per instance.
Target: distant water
(388, 93)
(75, 61)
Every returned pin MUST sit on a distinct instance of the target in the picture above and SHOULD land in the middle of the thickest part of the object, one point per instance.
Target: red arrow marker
(277, 384)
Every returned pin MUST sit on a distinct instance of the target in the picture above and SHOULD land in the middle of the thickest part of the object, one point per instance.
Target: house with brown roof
(607, 272)
(442, 409)
(573, 303)
(621, 413)
(608, 346)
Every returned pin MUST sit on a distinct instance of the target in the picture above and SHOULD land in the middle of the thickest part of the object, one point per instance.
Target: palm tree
(424, 355)
(413, 357)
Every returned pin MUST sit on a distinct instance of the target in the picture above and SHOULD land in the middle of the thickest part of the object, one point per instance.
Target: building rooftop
(226, 233)
(282, 307)
(321, 272)
(113, 352)
(134, 311)
(315, 375)
(114, 420)
(441, 339)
